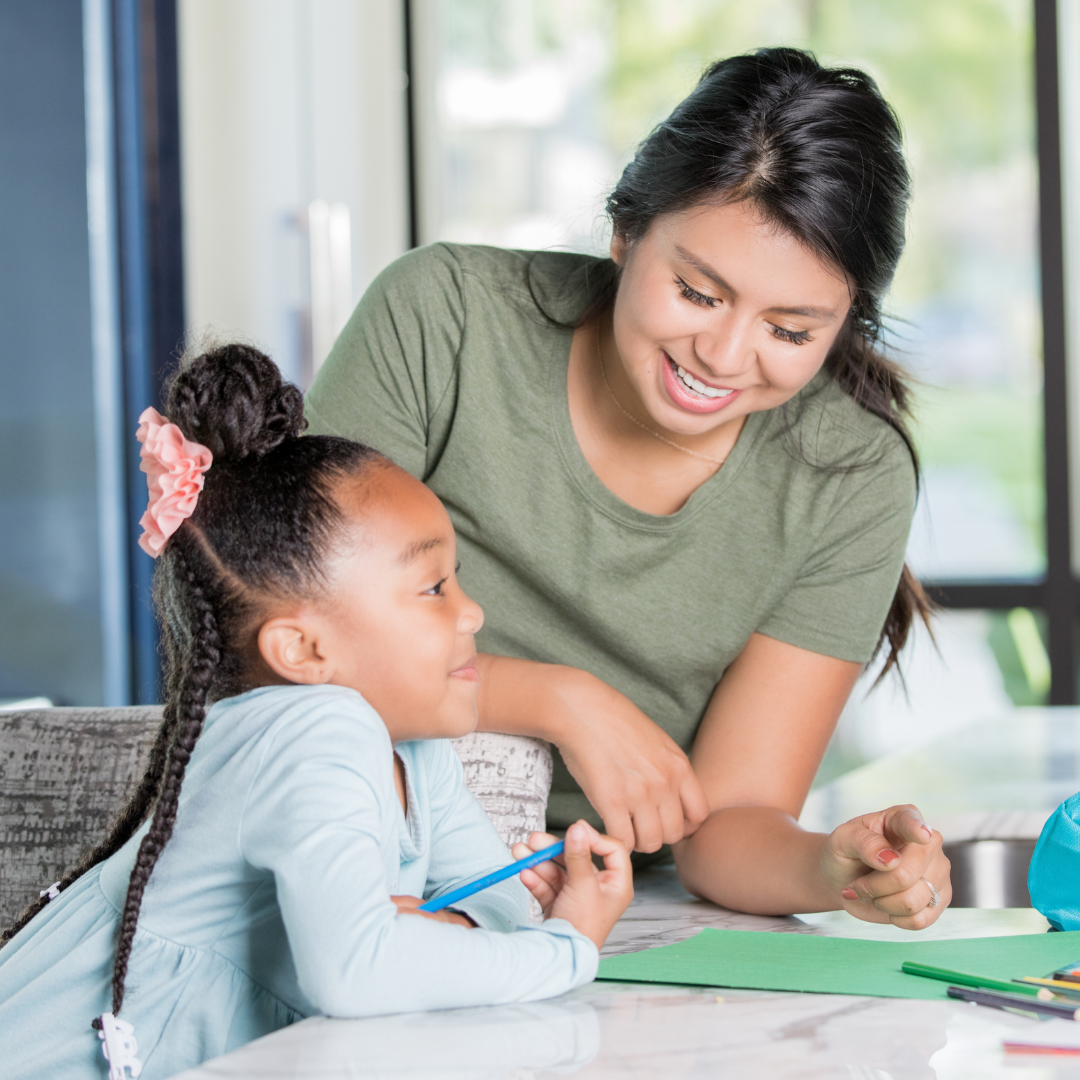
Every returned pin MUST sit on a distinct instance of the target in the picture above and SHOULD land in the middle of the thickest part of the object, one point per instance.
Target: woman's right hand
(631, 771)
(572, 888)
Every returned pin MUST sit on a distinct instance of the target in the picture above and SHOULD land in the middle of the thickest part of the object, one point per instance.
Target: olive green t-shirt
(454, 366)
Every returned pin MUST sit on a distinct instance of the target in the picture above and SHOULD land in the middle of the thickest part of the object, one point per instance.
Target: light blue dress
(272, 900)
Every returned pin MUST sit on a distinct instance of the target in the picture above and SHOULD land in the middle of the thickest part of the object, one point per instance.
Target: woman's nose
(726, 350)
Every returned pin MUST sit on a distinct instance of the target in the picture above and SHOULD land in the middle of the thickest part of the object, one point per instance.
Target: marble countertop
(997, 779)
(624, 1031)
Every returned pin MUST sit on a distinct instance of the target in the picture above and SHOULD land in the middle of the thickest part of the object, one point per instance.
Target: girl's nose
(470, 615)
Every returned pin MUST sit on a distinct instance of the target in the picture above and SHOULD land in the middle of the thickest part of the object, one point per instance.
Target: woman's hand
(633, 773)
(572, 888)
(409, 905)
(906, 868)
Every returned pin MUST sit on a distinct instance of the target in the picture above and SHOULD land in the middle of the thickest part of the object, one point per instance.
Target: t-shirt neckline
(598, 493)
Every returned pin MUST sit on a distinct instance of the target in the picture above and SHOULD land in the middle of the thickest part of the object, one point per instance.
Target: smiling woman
(681, 481)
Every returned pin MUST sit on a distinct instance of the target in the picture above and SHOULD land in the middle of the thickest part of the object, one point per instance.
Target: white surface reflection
(549, 1037)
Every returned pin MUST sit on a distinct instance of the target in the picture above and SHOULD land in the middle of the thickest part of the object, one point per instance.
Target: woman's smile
(688, 391)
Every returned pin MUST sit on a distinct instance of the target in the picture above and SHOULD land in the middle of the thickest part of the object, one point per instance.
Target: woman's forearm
(521, 697)
(756, 859)
(634, 774)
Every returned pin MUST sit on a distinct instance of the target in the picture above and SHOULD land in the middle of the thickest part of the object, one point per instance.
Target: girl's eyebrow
(819, 313)
(418, 548)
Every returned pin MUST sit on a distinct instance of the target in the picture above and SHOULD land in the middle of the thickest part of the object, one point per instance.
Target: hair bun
(233, 400)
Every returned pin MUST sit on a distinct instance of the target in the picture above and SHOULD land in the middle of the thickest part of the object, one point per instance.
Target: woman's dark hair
(260, 533)
(817, 151)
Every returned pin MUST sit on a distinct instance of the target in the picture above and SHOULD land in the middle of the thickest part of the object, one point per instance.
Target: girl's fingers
(541, 889)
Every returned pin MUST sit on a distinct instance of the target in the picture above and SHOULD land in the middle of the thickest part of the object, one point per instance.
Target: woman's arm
(759, 745)
(633, 773)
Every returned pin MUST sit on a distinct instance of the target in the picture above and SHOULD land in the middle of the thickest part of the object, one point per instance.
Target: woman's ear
(289, 644)
(617, 248)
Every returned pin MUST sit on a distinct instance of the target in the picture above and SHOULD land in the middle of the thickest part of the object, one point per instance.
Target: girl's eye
(436, 589)
(794, 337)
(694, 296)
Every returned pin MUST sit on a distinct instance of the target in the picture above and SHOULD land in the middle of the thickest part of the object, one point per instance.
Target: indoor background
(200, 168)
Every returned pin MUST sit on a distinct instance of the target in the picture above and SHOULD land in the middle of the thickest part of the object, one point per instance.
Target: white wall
(283, 102)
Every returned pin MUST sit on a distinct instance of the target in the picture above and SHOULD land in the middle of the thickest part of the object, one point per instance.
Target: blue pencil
(534, 859)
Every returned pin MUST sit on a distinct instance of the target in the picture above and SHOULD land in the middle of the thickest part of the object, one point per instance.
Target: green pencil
(959, 978)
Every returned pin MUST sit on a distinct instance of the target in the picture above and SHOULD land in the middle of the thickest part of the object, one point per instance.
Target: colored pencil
(996, 1000)
(1059, 987)
(960, 978)
(537, 857)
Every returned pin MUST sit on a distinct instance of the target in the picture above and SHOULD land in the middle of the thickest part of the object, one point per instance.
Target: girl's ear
(289, 644)
(617, 248)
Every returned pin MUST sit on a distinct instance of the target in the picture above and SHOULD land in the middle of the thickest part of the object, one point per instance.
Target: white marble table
(619, 1030)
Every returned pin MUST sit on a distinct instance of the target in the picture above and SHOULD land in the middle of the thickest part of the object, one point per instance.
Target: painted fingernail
(850, 894)
(887, 857)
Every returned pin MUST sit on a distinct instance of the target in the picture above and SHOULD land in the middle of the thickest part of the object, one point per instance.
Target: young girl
(306, 586)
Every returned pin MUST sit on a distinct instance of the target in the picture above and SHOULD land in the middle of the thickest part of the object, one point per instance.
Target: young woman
(681, 481)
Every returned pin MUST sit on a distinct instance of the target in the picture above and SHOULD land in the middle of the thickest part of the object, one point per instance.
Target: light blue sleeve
(1054, 875)
(313, 818)
(464, 843)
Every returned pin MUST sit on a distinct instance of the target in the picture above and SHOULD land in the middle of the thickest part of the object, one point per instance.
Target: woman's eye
(694, 296)
(794, 337)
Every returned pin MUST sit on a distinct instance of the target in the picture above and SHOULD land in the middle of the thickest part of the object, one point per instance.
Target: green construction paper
(762, 960)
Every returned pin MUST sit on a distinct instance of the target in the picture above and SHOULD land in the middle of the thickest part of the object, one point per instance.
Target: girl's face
(396, 625)
(719, 299)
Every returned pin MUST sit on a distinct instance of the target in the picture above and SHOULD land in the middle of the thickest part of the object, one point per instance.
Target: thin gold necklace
(633, 419)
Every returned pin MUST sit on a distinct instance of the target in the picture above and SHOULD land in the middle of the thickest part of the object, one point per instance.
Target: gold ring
(935, 896)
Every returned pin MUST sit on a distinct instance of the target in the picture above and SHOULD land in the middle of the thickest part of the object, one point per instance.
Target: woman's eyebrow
(809, 312)
(703, 268)
(418, 548)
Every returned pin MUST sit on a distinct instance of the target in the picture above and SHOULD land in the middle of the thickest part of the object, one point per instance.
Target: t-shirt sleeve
(312, 819)
(393, 369)
(839, 600)
(465, 846)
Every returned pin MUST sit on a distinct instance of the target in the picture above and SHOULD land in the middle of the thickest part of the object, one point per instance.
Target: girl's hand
(572, 888)
(905, 859)
(408, 905)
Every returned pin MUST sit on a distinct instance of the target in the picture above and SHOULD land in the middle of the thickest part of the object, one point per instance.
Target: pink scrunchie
(174, 468)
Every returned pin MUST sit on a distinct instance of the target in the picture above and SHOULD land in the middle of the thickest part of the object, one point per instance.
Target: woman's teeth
(697, 385)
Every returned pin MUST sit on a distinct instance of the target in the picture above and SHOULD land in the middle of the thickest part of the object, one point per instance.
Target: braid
(260, 531)
(192, 692)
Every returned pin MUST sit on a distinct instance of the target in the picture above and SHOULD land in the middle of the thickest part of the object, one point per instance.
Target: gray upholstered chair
(65, 772)
(63, 775)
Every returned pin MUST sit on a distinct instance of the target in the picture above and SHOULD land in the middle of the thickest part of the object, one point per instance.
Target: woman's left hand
(907, 868)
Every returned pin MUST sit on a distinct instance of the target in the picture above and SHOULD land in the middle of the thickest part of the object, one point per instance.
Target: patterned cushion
(63, 775)
(65, 772)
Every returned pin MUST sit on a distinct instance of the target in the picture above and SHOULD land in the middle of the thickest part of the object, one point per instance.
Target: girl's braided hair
(260, 534)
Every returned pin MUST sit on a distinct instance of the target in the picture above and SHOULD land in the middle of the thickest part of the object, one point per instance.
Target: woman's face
(718, 298)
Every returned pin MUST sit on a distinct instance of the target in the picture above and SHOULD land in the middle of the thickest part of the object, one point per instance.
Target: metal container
(990, 873)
